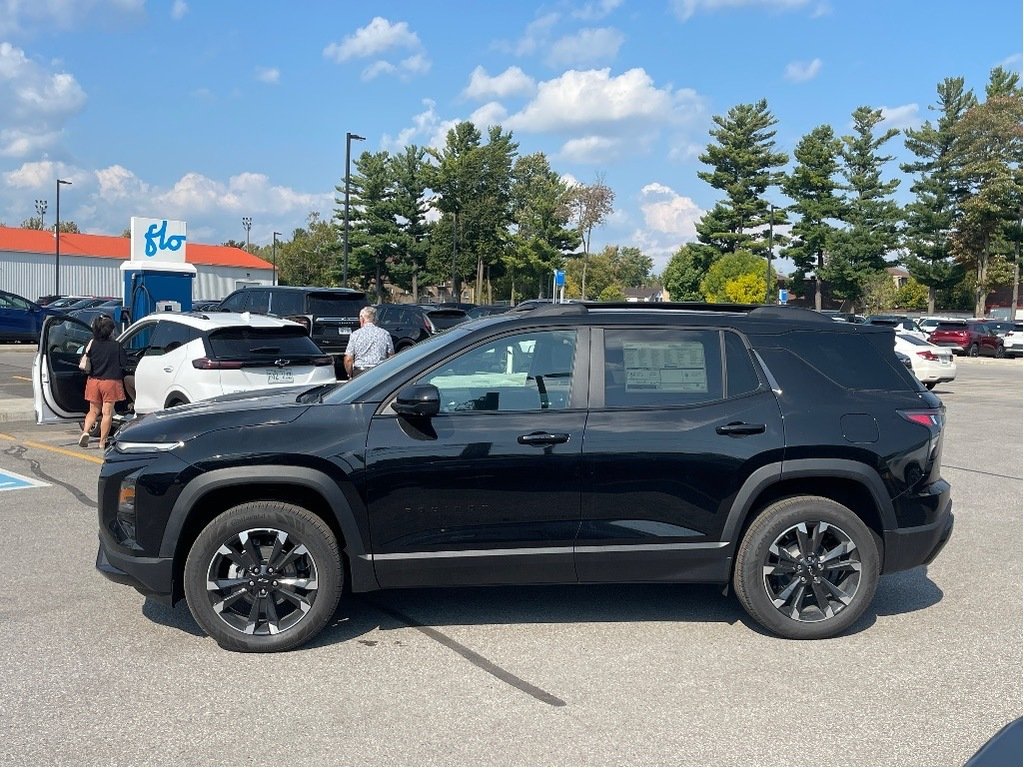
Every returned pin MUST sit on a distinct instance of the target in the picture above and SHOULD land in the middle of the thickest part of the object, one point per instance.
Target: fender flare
(363, 577)
(778, 471)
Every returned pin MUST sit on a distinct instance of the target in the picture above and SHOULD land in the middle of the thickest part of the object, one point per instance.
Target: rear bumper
(150, 576)
(918, 545)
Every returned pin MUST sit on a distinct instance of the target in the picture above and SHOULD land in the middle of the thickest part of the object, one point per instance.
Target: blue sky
(211, 111)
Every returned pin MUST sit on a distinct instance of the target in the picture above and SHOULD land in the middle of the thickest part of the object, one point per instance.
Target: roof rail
(763, 311)
(574, 308)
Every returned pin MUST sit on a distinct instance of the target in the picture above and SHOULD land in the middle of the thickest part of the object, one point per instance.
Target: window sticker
(665, 366)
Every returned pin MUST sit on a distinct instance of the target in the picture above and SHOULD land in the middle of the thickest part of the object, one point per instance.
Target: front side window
(10, 301)
(661, 367)
(235, 302)
(168, 336)
(140, 339)
(527, 372)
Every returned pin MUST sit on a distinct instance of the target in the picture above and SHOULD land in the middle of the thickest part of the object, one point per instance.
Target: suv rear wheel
(807, 568)
(263, 576)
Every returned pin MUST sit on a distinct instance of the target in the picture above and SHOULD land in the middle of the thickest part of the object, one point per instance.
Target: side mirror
(418, 400)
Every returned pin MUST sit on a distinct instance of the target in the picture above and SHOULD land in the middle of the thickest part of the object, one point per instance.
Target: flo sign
(159, 240)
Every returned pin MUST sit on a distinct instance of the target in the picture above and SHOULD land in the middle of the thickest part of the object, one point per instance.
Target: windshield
(917, 342)
(335, 305)
(356, 388)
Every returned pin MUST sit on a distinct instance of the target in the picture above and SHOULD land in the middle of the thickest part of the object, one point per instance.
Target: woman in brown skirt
(105, 385)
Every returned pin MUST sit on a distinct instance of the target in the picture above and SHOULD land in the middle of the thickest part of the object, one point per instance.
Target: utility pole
(349, 138)
(274, 257)
(768, 292)
(56, 234)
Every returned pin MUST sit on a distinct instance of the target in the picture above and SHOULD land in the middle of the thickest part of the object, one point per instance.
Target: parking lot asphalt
(595, 675)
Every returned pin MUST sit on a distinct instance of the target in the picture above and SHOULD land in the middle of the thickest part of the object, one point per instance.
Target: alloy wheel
(812, 571)
(262, 581)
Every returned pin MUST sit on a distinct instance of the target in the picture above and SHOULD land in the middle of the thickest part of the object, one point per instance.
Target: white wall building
(90, 265)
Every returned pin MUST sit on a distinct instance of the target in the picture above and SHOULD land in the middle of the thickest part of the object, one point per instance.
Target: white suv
(180, 358)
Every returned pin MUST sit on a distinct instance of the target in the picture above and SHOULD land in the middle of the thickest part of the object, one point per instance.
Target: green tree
(743, 159)
(311, 256)
(869, 212)
(988, 147)
(685, 270)
(489, 211)
(878, 293)
(929, 217)
(409, 171)
(373, 230)
(600, 272)
(588, 206)
(541, 237)
(455, 180)
(731, 267)
(812, 186)
(632, 267)
(745, 289)
(913, 295)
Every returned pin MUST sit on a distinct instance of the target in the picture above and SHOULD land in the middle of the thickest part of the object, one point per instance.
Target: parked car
(1002, 327)
(931, 364)
(900, 323)
(567, 444)
(485, 310)
(329, 314)
(1013, 341)
(843, 317)
(112, 308)
(206, 305)
(178, 359)
(410, 324)
(967, 337)
(64, 302)
(21, 319)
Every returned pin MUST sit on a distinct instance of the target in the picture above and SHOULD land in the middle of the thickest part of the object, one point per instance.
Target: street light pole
(56, 232)
(247, 223)
(768, 292)
(344, 238)
(274, 257)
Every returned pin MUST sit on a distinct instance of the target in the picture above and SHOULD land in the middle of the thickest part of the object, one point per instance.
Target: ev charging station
(157, 277)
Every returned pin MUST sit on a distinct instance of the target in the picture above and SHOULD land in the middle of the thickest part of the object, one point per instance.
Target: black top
(108, 359)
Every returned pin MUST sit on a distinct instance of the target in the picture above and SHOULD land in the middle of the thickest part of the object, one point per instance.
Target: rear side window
(236, 302)
(288, 303)
(951, 327)
(168, 336)
(740, 375)
(245, 343)
(334, 304)
(848, 359)
(661, 367)
(444, 319)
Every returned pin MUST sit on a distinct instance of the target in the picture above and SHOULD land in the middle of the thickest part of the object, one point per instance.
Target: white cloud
(417, 64)
(17, 16)
(802, 71)
(118, 183)
(491, 113)
(37, 103)
(1011, 62)
(377, 37)
(35, 175)
(589, 149)
(268, 75)
(179, 9)
(512, 82)
(586, 47)
(535, 37)
(685, 9)
(906, 116)
(670, 219)
(597, 9)
(595, 98)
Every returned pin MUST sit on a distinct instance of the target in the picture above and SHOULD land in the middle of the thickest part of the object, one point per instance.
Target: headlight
(124, 446)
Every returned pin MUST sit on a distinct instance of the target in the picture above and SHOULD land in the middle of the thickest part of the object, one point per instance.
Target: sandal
(83, 441)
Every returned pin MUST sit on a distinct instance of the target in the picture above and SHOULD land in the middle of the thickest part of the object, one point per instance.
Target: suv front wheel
(263, 576)
(807, 568)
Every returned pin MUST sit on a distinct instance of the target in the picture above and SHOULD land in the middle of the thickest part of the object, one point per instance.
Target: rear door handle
(740, 428)
(543, 438)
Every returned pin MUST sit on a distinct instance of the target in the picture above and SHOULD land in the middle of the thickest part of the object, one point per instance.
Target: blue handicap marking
(9, 481)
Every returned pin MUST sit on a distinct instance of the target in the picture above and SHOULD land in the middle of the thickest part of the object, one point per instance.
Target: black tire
(801, 598)
(973, 350)
(930, 385)
(250, 610)
(1000, 352)
(176, 401)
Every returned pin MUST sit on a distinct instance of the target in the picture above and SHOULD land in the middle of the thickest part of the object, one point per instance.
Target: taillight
(927, 354)
(325, 360)
(427, 325)
(206, 364)
(930, 419)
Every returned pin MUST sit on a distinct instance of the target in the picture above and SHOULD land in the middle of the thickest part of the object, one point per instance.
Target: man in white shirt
(368, 345)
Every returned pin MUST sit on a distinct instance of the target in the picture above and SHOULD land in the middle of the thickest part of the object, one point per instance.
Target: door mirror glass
(418, 400)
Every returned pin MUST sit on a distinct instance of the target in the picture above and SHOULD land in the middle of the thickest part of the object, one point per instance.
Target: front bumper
(918, 545)
(150, 576)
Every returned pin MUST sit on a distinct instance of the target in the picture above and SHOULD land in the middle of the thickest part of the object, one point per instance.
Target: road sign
(783, 296)
(559, 278)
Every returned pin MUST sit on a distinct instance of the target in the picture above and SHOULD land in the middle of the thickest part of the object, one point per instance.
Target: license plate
(279, 376)
(945, 360)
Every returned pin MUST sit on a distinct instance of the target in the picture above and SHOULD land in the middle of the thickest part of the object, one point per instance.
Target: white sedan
(931, 364)
(179, 358)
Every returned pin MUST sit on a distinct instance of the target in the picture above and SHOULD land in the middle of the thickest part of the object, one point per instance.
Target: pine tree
(929, 217)
(869, 212)
(373, 230)
(742, 160)
(409, 174)
(812, 186)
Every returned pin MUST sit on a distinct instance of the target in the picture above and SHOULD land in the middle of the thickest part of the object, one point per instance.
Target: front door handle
(740, 428)
(169, 369)
(543, 438)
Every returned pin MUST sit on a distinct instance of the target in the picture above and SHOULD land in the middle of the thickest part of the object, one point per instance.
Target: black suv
(410, 324)
(764, 447)
(330, 314)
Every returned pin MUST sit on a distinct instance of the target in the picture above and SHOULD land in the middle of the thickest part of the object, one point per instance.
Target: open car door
(58, 385)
